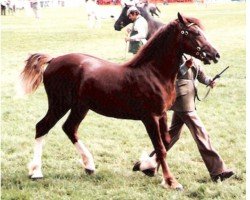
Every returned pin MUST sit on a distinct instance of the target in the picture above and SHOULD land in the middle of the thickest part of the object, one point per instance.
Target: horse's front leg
(148, 164)
(153, 127)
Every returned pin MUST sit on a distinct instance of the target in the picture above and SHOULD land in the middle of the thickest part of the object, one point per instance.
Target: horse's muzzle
(117, 27)
(207, 58)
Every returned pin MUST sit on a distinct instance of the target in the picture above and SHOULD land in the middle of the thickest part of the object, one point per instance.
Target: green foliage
(117, 144)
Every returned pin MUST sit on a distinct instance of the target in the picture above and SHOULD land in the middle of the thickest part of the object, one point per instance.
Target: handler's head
(132, 13)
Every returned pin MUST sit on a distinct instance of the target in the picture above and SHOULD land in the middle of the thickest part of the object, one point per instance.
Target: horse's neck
(168, 66)
(161, 54)
(166, 58)
(145, 13)
(153, 24)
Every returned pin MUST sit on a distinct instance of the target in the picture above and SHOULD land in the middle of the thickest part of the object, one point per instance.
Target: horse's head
(194, 42)
(123, 19)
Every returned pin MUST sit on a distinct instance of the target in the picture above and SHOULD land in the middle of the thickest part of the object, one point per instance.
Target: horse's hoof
(89, 171)
(179, 187)
(31, 167)
(137, 166)
(149, 172)
(172, 184)
(36, 176)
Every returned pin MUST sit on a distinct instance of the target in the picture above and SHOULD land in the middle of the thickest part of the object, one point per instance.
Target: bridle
(185, 33)
(199, 52)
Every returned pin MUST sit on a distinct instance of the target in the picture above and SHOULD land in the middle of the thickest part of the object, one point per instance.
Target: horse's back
(67, 74)
(75, 63)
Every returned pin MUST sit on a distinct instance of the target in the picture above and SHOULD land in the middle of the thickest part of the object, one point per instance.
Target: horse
(140, 89)
(123, 20)
(153, 9)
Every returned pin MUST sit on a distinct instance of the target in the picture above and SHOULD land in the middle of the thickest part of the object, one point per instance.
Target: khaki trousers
(211, 158)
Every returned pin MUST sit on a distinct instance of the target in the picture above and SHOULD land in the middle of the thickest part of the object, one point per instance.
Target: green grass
(116, 144)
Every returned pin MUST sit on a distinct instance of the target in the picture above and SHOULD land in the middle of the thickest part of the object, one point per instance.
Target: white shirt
(141, 26)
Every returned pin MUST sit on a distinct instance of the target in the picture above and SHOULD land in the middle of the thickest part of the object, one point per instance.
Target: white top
(141, 26)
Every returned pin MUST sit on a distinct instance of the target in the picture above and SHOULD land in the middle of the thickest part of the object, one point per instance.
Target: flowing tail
(32, 74)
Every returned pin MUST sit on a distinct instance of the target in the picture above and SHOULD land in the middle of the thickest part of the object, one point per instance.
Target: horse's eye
(182, 32)
(198, 48)
(186, 33)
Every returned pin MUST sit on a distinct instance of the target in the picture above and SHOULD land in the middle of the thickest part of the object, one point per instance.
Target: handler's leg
(211, 158)
(173, 135)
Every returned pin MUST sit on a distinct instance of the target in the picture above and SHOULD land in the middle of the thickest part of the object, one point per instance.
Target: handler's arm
(203, 78)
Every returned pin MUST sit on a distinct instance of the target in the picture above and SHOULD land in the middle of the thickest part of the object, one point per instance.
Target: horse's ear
(181, 19)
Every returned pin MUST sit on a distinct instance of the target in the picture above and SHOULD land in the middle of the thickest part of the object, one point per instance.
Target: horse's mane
(158, 45)
(195, 21)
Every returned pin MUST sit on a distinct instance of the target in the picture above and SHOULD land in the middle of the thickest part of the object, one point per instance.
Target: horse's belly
(114, 111)
(125, 107)
(112, 95)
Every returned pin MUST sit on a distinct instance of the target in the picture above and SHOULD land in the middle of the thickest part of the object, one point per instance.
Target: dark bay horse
(123, 20)
(140, 89)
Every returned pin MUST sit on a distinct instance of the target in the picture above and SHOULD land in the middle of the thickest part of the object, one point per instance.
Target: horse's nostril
(217, 55)
(117, 28)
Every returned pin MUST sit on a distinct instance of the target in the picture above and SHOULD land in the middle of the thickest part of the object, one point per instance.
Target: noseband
(185, 32)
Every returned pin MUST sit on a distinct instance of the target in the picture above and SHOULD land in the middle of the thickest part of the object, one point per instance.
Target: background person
(93, 12)
(139, 30)
(3, 7)
(35, 7)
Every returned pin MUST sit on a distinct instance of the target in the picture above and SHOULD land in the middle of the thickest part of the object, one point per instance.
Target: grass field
(116, 144)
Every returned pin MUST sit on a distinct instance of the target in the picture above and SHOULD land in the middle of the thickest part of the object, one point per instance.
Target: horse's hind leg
(42, 128)
(70, 127)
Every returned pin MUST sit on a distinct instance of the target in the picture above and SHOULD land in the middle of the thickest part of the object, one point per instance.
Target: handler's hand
(212, 84)
(189, 63)
(127, 39)
(129, 30)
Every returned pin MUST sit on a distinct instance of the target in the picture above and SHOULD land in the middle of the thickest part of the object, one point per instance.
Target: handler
(185, 113)
(139, 30)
